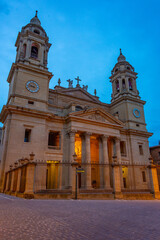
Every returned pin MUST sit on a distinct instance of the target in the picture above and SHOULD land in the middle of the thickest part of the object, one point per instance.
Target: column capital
(105, 137)
(117, 139)
(87, 133)
(71, 133)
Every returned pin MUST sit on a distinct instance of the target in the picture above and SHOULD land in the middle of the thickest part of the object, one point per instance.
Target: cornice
(51, 91)
(127, 98)
(27, 67)
(93, 122)
(29, 112)
(136, 132)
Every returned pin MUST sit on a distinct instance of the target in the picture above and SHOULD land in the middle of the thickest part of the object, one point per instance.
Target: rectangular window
(140, 149)
(27, 136)
(54, 140)
(123, 148)
(144, 176)
(159, 154)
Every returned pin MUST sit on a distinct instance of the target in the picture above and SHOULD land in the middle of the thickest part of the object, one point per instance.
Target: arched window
(34, 51)
(123, 84)
(130, 84)
(78, 108)
(36, 31)
(24, 50)
(117, 85)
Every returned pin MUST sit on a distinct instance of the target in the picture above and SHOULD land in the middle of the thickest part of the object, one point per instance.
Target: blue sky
(86, 37)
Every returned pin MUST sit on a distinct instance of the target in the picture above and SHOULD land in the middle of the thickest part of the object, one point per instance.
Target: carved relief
(97, 117)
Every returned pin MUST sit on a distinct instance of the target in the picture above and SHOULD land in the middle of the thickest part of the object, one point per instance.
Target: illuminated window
(27, 136)
(144, 176)
(54, 140)
(140, 149)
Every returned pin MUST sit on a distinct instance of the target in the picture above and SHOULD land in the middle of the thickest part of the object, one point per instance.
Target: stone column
(71, 153)
(106, 162)
(29, 187)
(116, 179)
(12, 181)
(88, 161)
(7, 182)
(154, 179)
(40, 177)
(28, 49)
(118, 150)
(18, 180)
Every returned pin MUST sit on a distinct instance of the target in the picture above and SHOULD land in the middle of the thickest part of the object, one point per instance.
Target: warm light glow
(78, 147)
(52, 161)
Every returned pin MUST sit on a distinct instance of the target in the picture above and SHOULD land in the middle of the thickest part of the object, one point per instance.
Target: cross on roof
(78, 80)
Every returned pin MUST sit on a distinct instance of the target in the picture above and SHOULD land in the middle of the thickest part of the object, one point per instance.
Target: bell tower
(29, 77)
(126, 102)
(123, 79)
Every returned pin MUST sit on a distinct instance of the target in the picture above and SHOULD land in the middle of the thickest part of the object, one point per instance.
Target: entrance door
(52, 176)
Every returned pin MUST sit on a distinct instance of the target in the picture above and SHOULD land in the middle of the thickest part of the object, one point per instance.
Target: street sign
(80, 170)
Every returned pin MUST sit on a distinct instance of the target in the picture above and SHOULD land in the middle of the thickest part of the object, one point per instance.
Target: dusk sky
(86, 37)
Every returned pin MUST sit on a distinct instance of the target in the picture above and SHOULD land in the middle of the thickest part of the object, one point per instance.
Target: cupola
(33, 44)
(123, 79)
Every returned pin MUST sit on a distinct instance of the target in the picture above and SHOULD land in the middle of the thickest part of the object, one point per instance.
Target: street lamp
(75, 164)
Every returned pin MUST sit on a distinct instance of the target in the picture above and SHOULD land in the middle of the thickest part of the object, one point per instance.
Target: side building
(50, 133)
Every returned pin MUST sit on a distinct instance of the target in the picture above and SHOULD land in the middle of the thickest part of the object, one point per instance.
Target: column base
(157, 195)
(118, 195)
(28, 195)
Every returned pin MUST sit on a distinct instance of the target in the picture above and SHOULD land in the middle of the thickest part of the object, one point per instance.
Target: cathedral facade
(62, 141)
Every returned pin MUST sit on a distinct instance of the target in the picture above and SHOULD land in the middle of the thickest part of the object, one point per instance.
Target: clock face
(136, 113)
(32, 86)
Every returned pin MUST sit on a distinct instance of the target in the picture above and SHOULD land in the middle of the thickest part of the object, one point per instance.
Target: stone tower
(126, 102)
(29, 77)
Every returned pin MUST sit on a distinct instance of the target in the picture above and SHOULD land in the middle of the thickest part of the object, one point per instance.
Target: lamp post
(75, 164)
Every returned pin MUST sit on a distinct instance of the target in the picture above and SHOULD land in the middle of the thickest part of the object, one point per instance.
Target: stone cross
(95, 92)
(78, 80)
(70, 83)
(59, 81)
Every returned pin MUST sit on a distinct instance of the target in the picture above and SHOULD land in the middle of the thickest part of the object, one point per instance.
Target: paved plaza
(22, 219)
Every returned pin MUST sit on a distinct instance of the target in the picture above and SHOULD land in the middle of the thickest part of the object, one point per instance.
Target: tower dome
(123, 79)
(33, 44)
(35, 20)
(121, 57)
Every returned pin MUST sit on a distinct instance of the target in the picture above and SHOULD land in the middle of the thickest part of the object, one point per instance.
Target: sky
(86, 36)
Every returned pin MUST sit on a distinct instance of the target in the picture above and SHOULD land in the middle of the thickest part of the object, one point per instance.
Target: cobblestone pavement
(22, 219)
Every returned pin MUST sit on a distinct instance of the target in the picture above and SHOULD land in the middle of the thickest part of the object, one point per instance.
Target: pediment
(97, 115)
(78, 93)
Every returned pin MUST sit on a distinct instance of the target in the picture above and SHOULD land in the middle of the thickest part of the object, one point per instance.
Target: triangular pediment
(97, 115)
(77, 93)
